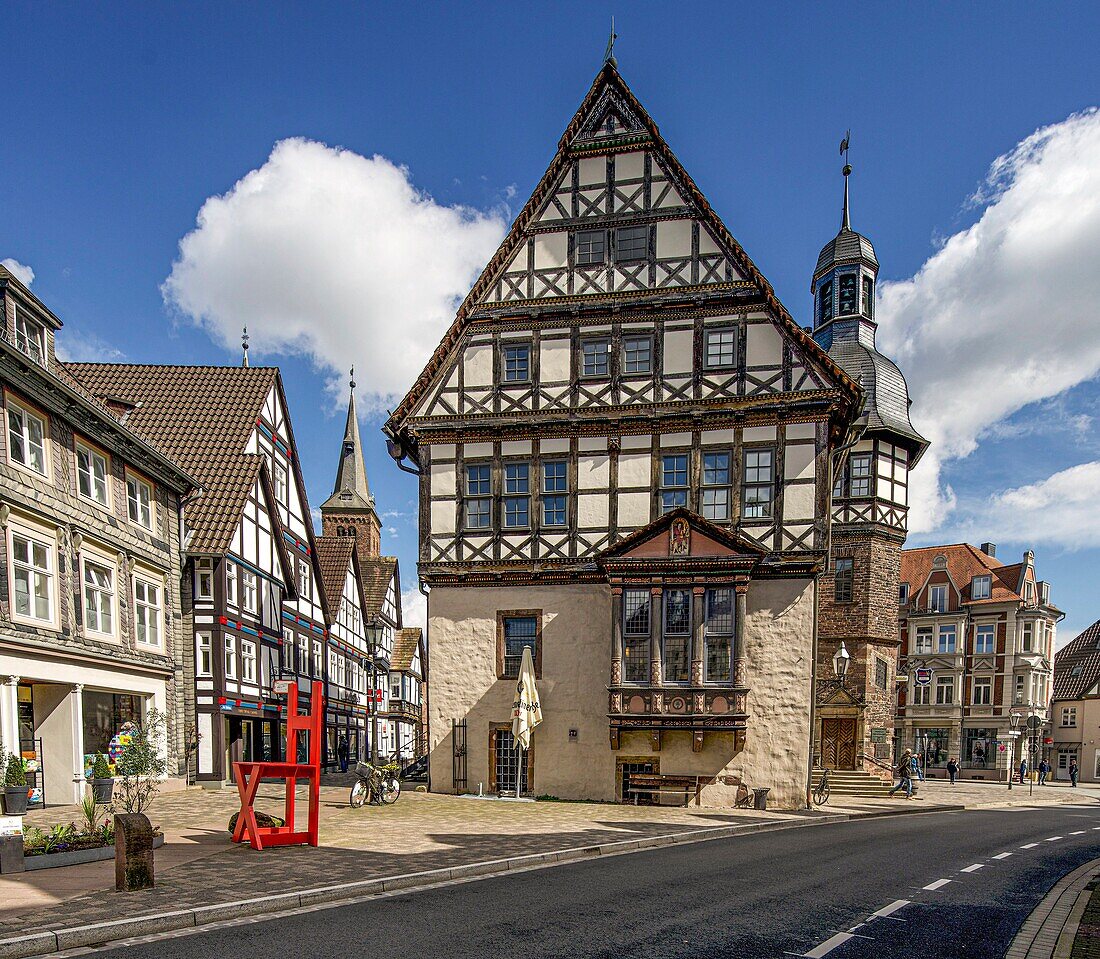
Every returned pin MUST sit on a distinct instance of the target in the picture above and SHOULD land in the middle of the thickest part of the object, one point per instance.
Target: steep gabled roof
(404, 649)
(351, 491)
(378, 572)
(608, 93)
(333, 556)
(1077, 665)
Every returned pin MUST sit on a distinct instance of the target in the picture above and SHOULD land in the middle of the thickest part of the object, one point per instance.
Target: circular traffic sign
(1034, 722)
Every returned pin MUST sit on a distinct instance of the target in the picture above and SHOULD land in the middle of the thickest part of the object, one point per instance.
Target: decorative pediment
(611, 116)
(838, 695)
(683, 536)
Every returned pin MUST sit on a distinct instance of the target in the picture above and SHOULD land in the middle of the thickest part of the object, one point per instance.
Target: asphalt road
(767, 895)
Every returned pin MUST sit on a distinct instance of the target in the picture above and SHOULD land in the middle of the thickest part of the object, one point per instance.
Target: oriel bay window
(555, 485)
(674, 481)
(517, 499)
(759, 483)
(676, 636)
(718, 635)
(715, 494)
(478, 496)
(842, 580)
(636, 612)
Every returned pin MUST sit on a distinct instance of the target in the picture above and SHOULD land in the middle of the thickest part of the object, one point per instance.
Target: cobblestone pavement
(420, 832)
(1086, 944)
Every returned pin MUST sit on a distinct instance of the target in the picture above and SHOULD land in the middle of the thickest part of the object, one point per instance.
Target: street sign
(281, 686)
(923, 676)
(1033, 748)
(1000, 747)
(1034, 722)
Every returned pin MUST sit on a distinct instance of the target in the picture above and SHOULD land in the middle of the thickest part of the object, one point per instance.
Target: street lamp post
(1014, 732)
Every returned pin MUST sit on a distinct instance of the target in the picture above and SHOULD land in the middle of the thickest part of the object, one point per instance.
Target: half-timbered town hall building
(625, 443)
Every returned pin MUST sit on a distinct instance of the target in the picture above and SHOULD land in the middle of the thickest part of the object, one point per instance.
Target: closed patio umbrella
(526, 712)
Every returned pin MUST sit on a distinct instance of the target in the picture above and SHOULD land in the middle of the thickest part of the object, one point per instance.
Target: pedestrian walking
(1044, 769)
(952, 769)
(1023, 770)
(905, 775)
(915, 763)
(342, 753)
(1074, 772)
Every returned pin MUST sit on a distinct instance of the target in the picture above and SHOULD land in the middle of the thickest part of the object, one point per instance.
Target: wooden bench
(653, 784)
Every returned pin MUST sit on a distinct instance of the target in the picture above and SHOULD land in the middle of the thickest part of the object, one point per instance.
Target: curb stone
(1048, 932)
(52, 941)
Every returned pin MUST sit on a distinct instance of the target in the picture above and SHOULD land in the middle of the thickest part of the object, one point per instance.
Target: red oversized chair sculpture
(250, 775)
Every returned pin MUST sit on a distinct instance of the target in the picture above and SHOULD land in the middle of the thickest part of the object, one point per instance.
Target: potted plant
(103, 783)
(15, 787)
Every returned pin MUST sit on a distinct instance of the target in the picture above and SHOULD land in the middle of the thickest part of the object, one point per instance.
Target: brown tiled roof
(404, 648)
(964, 562)
(333, 555)
(377, 571)
(200, 416)
(1077, 665)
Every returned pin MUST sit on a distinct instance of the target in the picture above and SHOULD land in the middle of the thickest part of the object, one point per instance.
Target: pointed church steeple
(350, 510)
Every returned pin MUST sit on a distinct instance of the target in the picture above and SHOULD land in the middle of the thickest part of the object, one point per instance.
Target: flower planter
(77, 857)
(15, 800)
(102, 790)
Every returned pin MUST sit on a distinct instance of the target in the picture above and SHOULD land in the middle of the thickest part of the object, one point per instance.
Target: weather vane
(844, 151)
(353, 377)
(609, 53)
(244, 346)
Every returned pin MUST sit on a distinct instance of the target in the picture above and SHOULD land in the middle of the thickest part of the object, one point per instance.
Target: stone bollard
(133, 852)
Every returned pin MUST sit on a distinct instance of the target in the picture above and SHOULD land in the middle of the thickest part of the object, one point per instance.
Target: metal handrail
(878, 762)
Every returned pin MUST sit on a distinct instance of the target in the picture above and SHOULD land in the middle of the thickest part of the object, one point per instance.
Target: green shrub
(100, 768)
(15, 776)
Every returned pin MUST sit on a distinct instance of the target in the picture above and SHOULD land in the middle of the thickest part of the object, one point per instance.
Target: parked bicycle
(375, 784)
(821, 790)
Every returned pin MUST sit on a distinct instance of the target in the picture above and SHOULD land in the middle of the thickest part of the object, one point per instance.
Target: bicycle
(821, 790)
(377, 784)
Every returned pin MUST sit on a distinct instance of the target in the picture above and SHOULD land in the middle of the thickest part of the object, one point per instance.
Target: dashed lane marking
(1054, 838)
(1078, 832)
(1029, 845)
(938, 884)
(888, 910)
(1002, 855)
(828, 945)
(973, 868)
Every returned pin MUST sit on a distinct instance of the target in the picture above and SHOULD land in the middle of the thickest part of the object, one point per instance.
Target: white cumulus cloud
(1004, 313)
(339, 256)
(80, 347)
(414, 608)
(23, 273)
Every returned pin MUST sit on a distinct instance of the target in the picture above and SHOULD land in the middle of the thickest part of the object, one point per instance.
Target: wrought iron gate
(458, 761)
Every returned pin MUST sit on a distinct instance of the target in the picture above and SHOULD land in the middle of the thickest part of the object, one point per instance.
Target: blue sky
(123, 120)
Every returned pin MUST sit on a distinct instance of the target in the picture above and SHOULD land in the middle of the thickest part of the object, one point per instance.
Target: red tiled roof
(964, 562)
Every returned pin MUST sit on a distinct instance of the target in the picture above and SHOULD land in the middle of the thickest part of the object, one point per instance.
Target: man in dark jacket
(905, 774)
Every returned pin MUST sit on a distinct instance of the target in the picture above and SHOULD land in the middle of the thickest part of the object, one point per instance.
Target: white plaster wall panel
(801, 431)
(589, 444)
(672, 198)
(478, 366)
(798, 502)
(477, 450)
(518, 262)
(678, 351)
(593, 171)
(674, 238)
(642, 442)
(676, 439)
(444, 451)
(633, 510)
(516, 448)
(554, 446)
(635, 469)
(443, 479)
(707, 244)
(798, 463)
(764, 345)
(758, 434)
(551, 251)
(592, 510)
(864, 446)
(629, 166)
(593, 471)
(718, 437)
(554, 360)
(884, 489)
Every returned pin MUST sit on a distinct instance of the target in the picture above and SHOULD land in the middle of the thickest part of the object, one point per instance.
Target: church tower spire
(350, 510)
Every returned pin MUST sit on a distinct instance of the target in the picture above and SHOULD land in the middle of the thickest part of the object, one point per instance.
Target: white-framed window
(230, 657)
(937, 599)
(92, 475)
(1069, 715)
(27, 438)
(903, 593)
(303, 579)
(248, 661)
(33, 566)
(99, 596)
(232, 578)
(147, 597)
(1019, 689)
(981, 587)
(204, 578)
(983, 691)
(945, 690)
(304, 667)
(139, 501)
(946, 638)
(204, 657)
(249, 598)
(984, 638)
(332, 665)
(923, 645)
(318, 660)
(281, 485)
(30, 337)
(1027, 637)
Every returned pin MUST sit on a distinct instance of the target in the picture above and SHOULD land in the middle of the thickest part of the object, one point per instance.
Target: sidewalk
(966, 794)
(1066, 924)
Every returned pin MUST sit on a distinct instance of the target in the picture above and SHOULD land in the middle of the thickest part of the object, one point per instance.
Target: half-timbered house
(624, 444)
(408, 676)
(253, 592)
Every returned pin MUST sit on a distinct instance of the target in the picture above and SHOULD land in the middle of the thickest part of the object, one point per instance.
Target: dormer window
(826, 308)
(868, 297)
(848, 295)
(937, 599)
(30, 337)
(981, 587)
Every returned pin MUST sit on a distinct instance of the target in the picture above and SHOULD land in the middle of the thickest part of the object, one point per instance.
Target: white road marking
(1002, 855)
(1053, 838)
(828, 945)
(1079, 832)
(887, 910)
(938, 884)
(1095, 828)
(973, 868)
(1029, 845)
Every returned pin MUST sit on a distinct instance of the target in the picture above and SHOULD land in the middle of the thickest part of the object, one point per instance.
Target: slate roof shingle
(1077, 665)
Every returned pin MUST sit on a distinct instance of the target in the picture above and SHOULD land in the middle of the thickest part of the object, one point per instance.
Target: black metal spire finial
(244, 346)
(352, 383)
(846, 221)
(609, 53)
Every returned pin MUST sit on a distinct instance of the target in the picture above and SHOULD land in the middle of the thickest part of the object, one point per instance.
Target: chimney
(990, 550)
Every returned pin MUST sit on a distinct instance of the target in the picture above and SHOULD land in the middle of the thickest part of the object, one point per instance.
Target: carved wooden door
(838, 743)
